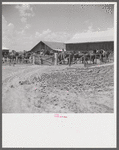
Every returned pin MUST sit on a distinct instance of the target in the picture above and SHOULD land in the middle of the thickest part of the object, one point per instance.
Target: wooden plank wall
(108, 46)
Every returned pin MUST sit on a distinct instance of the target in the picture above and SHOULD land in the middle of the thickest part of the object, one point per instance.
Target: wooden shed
(47, 46)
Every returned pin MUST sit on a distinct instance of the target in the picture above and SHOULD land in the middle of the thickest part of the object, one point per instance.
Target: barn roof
(91, 37)
(88, 42)
(54, 45)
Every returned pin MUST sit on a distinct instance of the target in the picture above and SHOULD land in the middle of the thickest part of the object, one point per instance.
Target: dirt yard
(57, 89)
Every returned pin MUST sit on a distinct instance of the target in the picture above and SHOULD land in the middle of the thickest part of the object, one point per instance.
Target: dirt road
(57, 89)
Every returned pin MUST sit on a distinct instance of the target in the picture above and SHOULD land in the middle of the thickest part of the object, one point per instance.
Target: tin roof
(90, 40)
(86, 37)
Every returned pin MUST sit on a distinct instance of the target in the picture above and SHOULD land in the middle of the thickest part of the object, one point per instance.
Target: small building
(5, 51)
(46, 46)
(88, 46)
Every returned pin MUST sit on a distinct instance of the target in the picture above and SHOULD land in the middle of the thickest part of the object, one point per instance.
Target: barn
(88, 46)
(47, 46)
(5, 51)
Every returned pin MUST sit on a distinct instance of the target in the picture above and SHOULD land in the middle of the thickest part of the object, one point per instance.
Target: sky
(24, 25)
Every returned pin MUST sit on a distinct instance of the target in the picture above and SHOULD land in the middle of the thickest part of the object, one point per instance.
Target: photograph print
(58, 58)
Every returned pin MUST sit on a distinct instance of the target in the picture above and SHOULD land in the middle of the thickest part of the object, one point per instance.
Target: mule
(12, 59)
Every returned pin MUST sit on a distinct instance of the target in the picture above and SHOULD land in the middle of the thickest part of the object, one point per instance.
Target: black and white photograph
(59, 58)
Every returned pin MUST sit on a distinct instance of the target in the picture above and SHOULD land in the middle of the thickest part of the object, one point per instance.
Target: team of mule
(63, 56)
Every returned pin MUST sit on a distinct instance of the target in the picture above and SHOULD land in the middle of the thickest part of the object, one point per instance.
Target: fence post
(33, 59)
(95, 59)
(39, 60)
(69, 59)
(56, 58)
(84, 61)
(30, 59)
(100, 58)
(90, 58)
